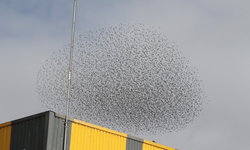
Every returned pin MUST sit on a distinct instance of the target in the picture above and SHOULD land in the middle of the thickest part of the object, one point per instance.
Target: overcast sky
(214, 35)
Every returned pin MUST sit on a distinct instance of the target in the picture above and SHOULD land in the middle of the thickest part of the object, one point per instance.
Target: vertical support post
(70, 71)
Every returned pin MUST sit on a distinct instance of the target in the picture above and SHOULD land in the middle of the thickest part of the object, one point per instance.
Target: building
(45, 131)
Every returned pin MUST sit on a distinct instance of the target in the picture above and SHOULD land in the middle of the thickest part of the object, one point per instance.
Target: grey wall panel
(29, 133)
(56, 132)
(44, 131)
(134, 143)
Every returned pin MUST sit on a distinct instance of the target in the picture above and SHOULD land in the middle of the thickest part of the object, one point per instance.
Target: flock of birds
(127, 78)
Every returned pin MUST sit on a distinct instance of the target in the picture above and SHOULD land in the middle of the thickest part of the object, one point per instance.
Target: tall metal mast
(70, 71)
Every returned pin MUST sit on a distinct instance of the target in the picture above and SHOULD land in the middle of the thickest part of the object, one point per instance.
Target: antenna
(70, 71)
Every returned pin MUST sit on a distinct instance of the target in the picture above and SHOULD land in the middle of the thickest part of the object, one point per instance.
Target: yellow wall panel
(148, 145)
(5, 135)
(86, 136)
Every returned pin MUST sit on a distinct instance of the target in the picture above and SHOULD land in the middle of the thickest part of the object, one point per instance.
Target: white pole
(70, 71)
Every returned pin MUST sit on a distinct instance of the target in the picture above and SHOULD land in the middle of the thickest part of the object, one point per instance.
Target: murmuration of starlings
(127, 78)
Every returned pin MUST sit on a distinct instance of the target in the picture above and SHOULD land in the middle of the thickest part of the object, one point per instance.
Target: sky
(212, 34)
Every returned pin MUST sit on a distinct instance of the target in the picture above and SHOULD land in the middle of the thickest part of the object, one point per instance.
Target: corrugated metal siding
(5, 134)
(91, 137)
(30, 133)
(147, 145)
(56, 132)
(134, 143)
(45, 131)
